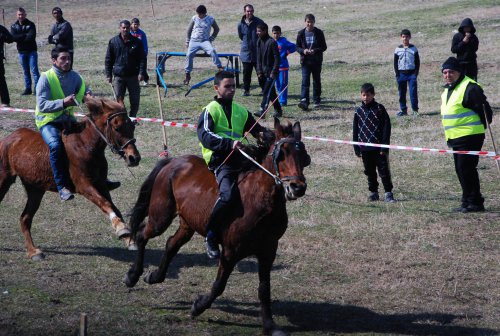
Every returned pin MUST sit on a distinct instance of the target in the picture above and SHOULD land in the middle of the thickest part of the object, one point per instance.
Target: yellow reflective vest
(457, 120)
(56, 92)
(239, 116)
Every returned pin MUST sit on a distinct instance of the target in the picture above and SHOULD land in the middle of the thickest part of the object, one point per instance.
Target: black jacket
(466, 52)
(319, 46)
(268, 57)
(25, 35)
(125, 59)
(61, 35)
(371, 124)
(5, 37)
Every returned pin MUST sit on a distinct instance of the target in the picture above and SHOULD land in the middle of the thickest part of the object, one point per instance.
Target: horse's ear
(278, 128)
(297, 131)
(92, 104)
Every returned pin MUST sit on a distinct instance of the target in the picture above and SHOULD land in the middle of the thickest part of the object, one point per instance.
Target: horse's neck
(91, 136)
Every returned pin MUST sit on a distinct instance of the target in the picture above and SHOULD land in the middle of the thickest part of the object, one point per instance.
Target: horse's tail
(140, 209)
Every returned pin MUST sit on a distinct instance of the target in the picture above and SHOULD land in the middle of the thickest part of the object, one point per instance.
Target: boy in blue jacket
(285, 48)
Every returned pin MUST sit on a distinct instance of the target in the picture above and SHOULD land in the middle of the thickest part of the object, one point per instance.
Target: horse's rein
(276, 178)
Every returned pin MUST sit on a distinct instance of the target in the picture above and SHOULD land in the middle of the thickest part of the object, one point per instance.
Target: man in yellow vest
(221, 127)
(465, 113)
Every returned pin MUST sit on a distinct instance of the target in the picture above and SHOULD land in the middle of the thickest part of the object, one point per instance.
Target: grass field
(345, 266)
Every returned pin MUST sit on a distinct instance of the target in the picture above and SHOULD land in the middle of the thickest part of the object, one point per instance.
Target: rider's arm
(43, 97)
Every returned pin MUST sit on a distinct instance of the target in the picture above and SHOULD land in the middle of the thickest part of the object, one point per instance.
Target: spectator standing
(372, 125)
(135, 31)
(465, 44)
(285, 48)
(125, 66)
(61, 33)
(465, 114)
(24, 33)
(5, 37)
(406, 67)
(311, 45)
(247, 32)
(268, 62)
(198, 37)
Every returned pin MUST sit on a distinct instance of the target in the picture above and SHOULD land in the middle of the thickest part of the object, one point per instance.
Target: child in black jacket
(372, 125)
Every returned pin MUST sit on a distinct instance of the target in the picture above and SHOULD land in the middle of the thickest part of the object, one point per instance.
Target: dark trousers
(4, 90)
(247, 75)
(466, 169)
(373, 161)
(307, 71)
(121, 84)
(470, 69)
(269, 95)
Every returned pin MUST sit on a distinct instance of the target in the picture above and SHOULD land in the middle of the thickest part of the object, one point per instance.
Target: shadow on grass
(334, 318)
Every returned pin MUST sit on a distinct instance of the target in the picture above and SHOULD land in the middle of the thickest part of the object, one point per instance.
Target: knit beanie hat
(452, 64)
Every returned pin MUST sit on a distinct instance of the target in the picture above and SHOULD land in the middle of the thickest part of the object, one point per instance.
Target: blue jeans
(405, 80)
(194, 47)
(307, 71)
(51, 134)
(29, 60)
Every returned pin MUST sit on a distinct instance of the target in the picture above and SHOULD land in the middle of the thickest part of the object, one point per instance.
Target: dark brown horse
(24, 154)
(184, 187)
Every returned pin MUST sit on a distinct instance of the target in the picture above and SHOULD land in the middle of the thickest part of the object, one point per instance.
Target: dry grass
(345, 266)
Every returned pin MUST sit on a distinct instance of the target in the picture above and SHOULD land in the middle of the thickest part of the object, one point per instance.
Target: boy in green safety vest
(465, 114)
(57, 92)
(221, 127)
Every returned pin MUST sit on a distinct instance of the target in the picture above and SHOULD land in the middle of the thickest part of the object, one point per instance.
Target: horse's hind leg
(34, 199)
(174, 243)
(203, 302)
(6, 180)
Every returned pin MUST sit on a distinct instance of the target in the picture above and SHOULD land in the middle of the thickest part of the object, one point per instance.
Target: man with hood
(465, 44)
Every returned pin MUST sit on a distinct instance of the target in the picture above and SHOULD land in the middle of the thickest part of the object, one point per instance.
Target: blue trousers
(281, 83)
(194, 47)
(51, 134)
(29, 61)
(405, 81)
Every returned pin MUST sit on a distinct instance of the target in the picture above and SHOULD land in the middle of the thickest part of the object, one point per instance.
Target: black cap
(452, 64)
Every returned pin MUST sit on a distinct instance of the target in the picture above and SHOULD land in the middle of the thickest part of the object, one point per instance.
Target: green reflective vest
(56, 92)
(239, 116)
(459, 121)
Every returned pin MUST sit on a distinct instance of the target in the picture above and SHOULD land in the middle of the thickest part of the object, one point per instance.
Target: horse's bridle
(299, 145)
(113, 146)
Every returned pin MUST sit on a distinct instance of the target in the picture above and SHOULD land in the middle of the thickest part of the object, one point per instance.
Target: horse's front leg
(203, 302)
(104, 202)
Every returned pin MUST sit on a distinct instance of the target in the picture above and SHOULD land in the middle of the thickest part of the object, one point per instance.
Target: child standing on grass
(285, 48)
(372, 125)
(406, 67)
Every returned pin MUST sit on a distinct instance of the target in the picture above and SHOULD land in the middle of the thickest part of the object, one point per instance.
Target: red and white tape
(316, 138)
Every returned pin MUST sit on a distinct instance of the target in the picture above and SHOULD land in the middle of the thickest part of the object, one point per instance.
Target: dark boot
(215, 221)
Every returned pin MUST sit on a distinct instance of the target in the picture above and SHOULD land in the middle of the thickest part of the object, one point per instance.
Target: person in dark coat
(247, 32)
(61, 33)
(465, 44)
(5, 37)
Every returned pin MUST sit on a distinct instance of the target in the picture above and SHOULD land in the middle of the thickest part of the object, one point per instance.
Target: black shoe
(278, 114)
(187, 78)
(212, 248)
(246, 93)
(112, 185)
(259, 114)
(401, 114)
(26, 92)
(460, 208)
(473, 208)
(303, 105)
(374, 196)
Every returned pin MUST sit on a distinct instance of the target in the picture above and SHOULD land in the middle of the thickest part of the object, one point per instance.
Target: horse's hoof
(38, 257)
(279, 332)
(132, 247)
(129, 282)
(147, 278)
(123, 233)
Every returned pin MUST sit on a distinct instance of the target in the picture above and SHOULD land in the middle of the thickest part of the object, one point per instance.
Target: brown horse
(24, 153)
(185, 187)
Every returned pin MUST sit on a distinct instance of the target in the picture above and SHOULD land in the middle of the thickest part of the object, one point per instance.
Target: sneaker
(246, 93)
(317, 105)
(415, 113)
(473, 208)
(26, 92)
(65, 194)
(4, 105)
(212, 248)
(187, 78)
(278, 114)
(303, 105)
(112, 185)
(401, 114)
(373, 197)
(260, 113)
(389, 197)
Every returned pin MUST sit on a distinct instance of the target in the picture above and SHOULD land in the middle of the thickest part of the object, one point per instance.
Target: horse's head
(289, 158)
(115, 127)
